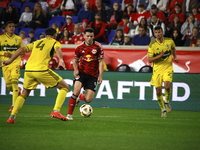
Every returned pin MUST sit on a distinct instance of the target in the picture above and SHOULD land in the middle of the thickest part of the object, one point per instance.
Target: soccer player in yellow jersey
(160, 53)
(37, 71)
(9, 43)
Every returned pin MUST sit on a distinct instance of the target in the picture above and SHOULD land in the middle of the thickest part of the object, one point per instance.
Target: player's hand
(176, 60)
(99, 80)
(7, 62)
(7, 55)
(76, 74)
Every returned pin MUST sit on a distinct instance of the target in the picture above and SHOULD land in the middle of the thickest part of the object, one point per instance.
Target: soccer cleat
(58, 115)
(164, 113)
(10, 120)
(69, 117)
(168, 107)
(11, 108)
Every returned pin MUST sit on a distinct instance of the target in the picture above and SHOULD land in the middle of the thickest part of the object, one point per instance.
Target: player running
(88, 70)
(160, 53)
(37, 71)
(9, 43)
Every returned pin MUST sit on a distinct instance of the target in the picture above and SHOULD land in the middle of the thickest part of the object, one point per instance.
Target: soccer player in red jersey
(88, 70)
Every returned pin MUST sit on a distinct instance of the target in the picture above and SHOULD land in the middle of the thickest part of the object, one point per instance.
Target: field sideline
(106, 129)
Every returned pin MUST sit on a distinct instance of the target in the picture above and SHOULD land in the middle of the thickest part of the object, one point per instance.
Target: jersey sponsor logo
(94, 51)
(88, 58)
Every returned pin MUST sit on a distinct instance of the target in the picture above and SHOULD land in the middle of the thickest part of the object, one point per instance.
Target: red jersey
(63, 41)
(53, 3)
(139, 16)
(69, 27)
(89, 58)
(181, 16)
(77, 39)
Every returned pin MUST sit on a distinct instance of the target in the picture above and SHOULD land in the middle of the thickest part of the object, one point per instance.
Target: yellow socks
(60, 99)
(167, 95)
(161, 102)
(18, 104)
(14, 90)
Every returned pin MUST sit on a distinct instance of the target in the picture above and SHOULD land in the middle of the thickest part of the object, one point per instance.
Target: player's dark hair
(158, 28)
(8, 22)
(50, 31)
(89, 30)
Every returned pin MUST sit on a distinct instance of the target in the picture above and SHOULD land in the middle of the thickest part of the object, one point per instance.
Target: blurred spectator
(11, 14)
(159, 13)
(143, 23)
(22, 34)
(161, 4)
(84, 25)
(54, 7)
(198, 42)
(85, 13)
(115, 16)
(144, 2)
(2, 16)
(125, 24)
(155, 22)
(69, 25)
(99, 29)
(68, 7)
(65, 38)
(170, 8)
(177, 12)
(196, 13)
(177, 37)
(3, 29)
(192, 40)
(25, 18)
(77, 38)
(175, 24)
(125, 4)
(55, 26)
(92, 5)
(142, 38)
(187, 6)
(38, 17)
(142, 13)
(127, 40)
(42, 35)
(31, 37)
(187, 27)
(101, 9)
(118, 38)
(129, 10)
(45, 5)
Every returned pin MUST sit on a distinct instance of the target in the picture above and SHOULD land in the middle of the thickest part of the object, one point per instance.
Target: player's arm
(152, 59)
(100, 78)
(15, 55)
(60, 57)
(173, 51)
(75, 66)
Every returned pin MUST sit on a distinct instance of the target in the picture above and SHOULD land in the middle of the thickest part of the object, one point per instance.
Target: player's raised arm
(15, 55)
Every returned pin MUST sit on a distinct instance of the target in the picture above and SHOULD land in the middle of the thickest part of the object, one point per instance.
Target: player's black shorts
(88, 81)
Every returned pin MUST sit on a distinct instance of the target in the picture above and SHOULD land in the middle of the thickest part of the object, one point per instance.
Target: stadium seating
(38, 31)
(31, 4)
(59, 18)
(16, 30)
(74, 19)
(111, 36)
(56, 22)
(26, 30)
(17, 6)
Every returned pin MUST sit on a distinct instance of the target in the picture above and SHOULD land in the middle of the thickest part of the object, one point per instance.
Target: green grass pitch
(106, 129)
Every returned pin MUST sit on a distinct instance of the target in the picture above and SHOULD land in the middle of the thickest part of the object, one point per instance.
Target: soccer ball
(86, 110)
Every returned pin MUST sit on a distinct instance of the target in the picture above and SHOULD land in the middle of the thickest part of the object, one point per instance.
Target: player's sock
(160, 102)
(14, 90)
(60, 99)
(167, 95)
(18, 104)
(71, 104)
(82, 97)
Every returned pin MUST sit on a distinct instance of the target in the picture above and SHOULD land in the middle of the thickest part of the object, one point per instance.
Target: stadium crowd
(116, 22)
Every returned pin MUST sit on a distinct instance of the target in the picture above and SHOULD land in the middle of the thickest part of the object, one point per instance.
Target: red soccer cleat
(10, 120)
(58, 115)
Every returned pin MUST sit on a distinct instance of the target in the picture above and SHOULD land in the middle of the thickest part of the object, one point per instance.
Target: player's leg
(51, 79)
(18, 105)
(167, 84)
(73, 98)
